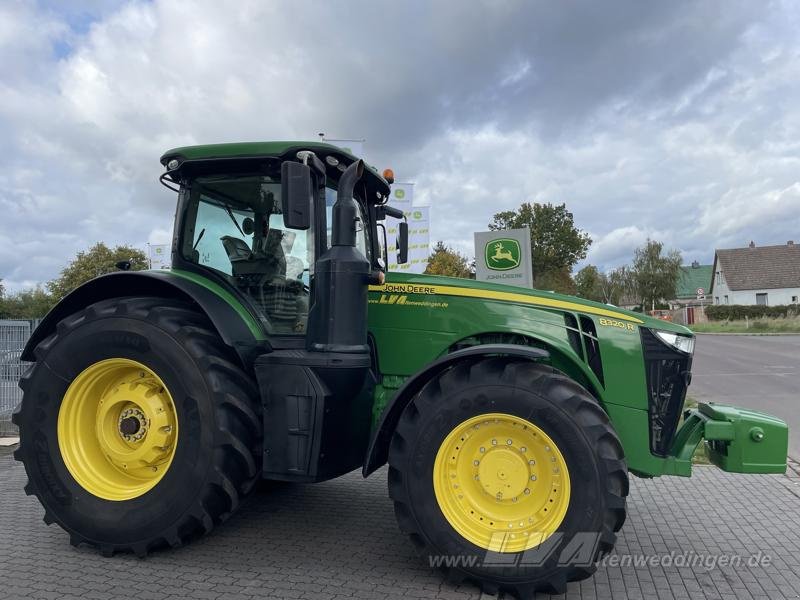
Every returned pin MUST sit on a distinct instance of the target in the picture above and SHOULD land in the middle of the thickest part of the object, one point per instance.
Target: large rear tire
(509, 474)
(138, 429)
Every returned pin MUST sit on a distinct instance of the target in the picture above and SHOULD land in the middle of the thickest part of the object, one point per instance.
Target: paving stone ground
(339, 540)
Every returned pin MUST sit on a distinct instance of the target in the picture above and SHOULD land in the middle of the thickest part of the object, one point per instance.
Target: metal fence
(13, 335)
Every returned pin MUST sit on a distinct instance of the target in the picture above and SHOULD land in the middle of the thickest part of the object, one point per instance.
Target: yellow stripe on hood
(449, 290)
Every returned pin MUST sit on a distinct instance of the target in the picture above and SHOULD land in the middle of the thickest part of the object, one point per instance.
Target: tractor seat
(237, 249)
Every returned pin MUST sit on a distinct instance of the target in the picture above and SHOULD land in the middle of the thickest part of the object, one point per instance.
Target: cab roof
(286, 150)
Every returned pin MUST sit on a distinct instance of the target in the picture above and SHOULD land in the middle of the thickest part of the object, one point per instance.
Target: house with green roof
(694, 283)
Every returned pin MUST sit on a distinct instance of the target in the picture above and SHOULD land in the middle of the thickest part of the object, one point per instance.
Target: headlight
(682, 343)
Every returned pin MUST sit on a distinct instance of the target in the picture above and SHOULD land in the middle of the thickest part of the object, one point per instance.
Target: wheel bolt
(533, 477)
(494, 442)
(509, 441)
(531, 462)
(523, 449)
(476, 462)
(527, 491)
(483, 449)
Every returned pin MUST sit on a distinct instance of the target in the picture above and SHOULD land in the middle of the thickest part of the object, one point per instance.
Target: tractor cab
(291, 230)
(232, 223)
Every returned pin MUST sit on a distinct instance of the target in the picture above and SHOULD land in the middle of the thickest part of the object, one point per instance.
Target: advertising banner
(504, 257)
(419, 238)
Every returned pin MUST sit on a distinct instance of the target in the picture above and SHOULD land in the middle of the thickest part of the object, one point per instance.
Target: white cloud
(673, 120)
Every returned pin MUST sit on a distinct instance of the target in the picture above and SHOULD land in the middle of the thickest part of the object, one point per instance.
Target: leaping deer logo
(501, 254)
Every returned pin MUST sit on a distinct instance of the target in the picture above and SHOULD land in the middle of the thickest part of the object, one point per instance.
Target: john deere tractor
(277, 347)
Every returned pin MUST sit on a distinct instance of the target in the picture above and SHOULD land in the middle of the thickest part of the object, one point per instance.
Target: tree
(556, 244)
(590, 283)
(97, 260)
(608, 288)
(617, 284)
(654, 275)
(27, 304)
(446, 261)
(557, 280)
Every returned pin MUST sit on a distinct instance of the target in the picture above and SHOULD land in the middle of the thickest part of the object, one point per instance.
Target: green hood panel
(452, 286)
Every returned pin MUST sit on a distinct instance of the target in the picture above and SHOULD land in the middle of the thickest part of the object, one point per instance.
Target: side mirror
(402, 243)
(297, 195)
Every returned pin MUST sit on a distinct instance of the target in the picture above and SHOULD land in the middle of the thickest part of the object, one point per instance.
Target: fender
(235, 324)
(378, 451)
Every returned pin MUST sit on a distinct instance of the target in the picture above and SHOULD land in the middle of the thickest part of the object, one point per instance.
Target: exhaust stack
(337, 320)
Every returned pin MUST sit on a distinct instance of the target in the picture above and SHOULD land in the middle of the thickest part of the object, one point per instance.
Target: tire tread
(574, 400)
(236, 408)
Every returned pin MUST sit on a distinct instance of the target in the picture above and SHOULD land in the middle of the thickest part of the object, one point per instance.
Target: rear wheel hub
(117, 429)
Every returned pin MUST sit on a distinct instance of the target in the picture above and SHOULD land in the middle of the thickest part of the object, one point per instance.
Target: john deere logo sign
(399, 193)
(502, 254)
(506, 259)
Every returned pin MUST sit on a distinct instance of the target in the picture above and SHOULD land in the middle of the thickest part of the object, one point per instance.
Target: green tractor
(278, 348)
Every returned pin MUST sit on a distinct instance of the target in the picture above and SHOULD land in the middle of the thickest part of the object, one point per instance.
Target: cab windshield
(235, 226)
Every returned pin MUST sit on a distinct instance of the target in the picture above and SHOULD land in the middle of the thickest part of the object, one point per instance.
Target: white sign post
(504, 257)
(160, 256)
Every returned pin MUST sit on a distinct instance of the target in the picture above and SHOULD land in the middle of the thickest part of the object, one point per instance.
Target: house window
(716, 299)
(761, 299)
(726, 299)
(794, 299)
(719, 277)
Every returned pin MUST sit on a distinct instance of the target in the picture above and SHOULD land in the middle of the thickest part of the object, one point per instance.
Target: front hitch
(737, 440)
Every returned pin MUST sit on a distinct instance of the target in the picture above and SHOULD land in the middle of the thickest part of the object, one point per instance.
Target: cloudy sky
(678, 121)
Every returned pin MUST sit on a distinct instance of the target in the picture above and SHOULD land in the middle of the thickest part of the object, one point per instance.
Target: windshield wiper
(218, 196)
(199, 237)
(235, 222)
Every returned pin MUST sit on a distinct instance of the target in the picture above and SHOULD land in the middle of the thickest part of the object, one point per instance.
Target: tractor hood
(401, 283)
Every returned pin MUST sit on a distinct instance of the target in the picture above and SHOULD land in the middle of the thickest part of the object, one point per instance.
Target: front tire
(509, 474)
(138, 429)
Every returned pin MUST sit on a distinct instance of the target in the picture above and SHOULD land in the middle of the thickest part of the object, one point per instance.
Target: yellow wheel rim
(117, 429)
(501, 482)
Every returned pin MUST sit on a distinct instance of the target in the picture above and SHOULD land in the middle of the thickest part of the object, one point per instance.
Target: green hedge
(738, 312)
